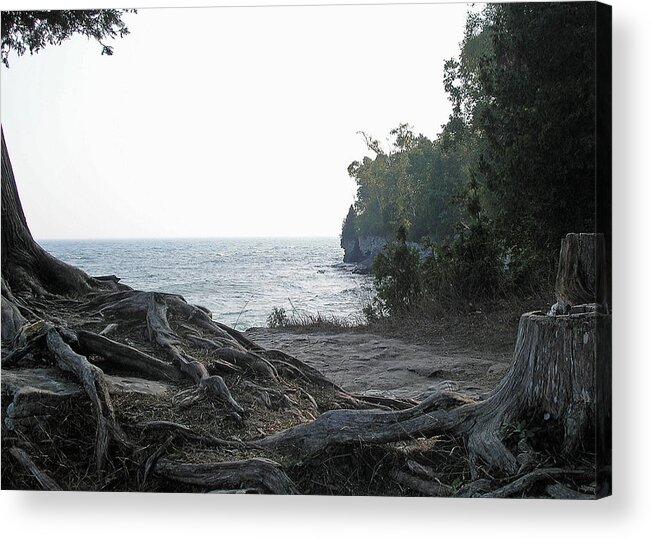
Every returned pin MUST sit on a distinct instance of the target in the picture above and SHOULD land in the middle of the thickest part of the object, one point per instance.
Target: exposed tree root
(247, 361)
(186, 433)
(12, 319)
(474, 488)
(424, 486)
(22, 349)
(524, 482)
(479, 423)
(561, 492)
(125, 356)
(180, 438)
(535, 382)
(260, 475)
(43, 479)
(344, 427)
(92, 380)
(273, 399)
(295, 368)
(162, 335)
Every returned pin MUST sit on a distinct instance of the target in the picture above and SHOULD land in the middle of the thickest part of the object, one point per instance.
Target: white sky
(220, 122)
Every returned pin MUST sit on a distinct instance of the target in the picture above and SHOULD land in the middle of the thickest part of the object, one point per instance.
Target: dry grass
(305, 321)
(485, 326)
(489, 325)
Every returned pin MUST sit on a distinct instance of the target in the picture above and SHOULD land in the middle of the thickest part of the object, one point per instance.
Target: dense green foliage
(471, 265)
(397, 276)
(530, 105)
(459, 269)
(411, 185)
(513, 170)
(31, 31)
(349, 228)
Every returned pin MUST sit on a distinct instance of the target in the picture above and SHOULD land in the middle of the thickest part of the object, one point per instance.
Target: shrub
(397, 276)
(277, 318)
(373, 310)
(468, 267)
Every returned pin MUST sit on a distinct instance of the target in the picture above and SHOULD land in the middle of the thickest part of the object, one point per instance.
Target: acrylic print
(334, 250)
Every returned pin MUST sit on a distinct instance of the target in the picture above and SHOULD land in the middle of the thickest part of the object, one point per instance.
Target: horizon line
(168, 238)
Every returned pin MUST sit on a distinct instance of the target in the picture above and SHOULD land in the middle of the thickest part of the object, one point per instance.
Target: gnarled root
(43, 479)
(342, 427)
(515, 487)
(239, 357)
(169, 427)
(92, 380)
(12, 319)
(161, 334)
(257, 474)
(125, 356)
(424, 486)
(549, 387)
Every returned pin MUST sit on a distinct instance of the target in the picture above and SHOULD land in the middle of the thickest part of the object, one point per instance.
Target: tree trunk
(26, 267)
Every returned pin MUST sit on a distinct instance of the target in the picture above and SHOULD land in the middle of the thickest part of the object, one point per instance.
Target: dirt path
(373, 364)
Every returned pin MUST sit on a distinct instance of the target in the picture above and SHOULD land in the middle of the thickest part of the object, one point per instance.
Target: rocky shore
(361, 251)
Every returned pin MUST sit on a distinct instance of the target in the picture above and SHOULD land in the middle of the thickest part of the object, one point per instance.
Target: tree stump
(560, 373)
(551, 385)
(582, 272)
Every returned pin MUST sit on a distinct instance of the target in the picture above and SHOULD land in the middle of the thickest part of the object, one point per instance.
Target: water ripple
(239, 280)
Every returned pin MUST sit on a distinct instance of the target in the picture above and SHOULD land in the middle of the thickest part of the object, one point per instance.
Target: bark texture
(582, 271)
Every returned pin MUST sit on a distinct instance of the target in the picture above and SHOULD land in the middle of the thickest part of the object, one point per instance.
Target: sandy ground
(377, 365)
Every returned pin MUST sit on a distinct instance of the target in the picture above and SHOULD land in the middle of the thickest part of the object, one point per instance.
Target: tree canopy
(529, 102)
(32, 31)
(516, 159)
(412, 185)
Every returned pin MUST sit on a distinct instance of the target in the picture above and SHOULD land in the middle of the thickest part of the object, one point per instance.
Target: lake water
(239, 280)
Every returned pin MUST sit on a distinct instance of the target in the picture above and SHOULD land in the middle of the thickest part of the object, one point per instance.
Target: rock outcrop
(362, 251)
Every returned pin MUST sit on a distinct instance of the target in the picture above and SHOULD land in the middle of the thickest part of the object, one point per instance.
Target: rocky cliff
(361, 251)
